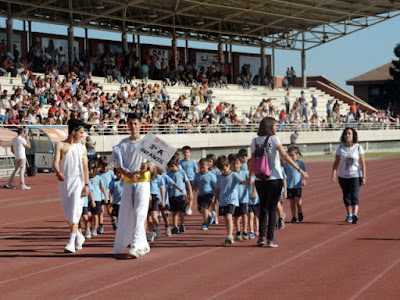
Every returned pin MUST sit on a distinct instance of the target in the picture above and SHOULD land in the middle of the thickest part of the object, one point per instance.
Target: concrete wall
(237, 140)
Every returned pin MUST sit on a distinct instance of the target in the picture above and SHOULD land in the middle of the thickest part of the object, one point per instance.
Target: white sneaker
(158, 232)
(10, 186)
(94, 232)
(133, 252)
(24, 187)
(152, 236)
(189, 211)
(88, 235)
(80, 239)
(70, 248)
(144, 251)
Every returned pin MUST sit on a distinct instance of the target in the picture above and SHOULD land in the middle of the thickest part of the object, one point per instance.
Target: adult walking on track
(19, 143)
(352, 172)
(269, 189)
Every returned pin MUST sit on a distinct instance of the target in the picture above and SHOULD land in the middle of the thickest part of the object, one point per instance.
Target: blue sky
(339, 60)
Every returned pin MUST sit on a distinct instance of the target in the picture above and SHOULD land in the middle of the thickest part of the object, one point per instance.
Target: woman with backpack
(266, 166)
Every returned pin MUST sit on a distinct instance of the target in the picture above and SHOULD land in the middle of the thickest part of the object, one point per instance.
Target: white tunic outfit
(135, 199)
(71, 188)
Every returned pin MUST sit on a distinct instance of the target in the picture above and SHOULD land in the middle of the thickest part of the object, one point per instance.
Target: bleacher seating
(245, 100)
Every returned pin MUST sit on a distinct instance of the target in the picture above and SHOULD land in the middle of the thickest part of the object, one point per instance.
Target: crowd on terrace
(76, 95)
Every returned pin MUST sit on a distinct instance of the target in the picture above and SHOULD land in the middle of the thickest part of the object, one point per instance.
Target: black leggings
(269, 192)
(351, 189)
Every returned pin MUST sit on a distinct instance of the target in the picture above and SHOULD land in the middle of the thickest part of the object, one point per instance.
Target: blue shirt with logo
(205, 182)
(293, 180)
(228, 189)
(190, 167)
(116, 190)
(180, 178)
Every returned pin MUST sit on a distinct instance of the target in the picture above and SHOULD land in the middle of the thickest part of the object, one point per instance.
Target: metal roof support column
(10, 45)
(262, 56)
(30, 40)
(231, 61)
(303, 64)
(220, 47)
(273, 64)
(174, 48)
(139, 55)
(70, 46)
(87, 46)
(187, 59)
(124, 38)
(220, 54)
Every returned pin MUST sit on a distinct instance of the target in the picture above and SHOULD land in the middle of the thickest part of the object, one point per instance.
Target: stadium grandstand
(216, 98)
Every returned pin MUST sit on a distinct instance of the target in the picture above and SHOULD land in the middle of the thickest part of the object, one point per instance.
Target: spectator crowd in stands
(76, 95)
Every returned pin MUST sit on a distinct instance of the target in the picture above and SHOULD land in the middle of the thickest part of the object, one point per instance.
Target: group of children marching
(224, 188)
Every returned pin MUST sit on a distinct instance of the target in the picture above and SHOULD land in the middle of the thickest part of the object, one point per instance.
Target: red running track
(323, 257)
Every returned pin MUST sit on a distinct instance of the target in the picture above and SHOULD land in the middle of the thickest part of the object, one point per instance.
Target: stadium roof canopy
(282, 24)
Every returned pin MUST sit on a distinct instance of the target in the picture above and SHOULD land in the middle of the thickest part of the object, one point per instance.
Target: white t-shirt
(18, 144)
(349, 160)
(273, 155)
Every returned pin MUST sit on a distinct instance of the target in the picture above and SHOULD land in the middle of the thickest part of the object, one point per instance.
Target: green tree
(393, 87)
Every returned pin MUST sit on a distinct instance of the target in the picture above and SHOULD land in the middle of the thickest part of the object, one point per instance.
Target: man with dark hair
(19, 143)
(71, 168)
(135, 194)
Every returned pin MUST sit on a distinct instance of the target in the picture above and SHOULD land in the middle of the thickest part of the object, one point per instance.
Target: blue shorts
(154, 203)
(224, 210)
(115, 210)
(85, 211)
(255, 209)
(293, 193)
(178, 204)
(242, 209)
(165, 208)
(204, 201)
(97, 209)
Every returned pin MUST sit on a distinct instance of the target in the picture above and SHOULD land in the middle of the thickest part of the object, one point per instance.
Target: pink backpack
(260, 163)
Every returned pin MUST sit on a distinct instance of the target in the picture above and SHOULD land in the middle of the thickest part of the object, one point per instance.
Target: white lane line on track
(375, 279)
(12, 199)
(30, 202)
(30, 220)
(235, 285)
(145, 274)
(42, 271)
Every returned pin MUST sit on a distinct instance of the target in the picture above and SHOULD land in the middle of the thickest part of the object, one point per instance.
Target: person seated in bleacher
(223, 80)
(6, 64)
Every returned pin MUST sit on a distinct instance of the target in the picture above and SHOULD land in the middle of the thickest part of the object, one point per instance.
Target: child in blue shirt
(281, 215)
(243, 156)
(295, 183)
(178, 195)
(168, 184)
(242, 211)
(227, 193)
(116, 186)
(205, 182)
(86, 215)
(212, 162)
(106, 177)
(254, 208)
(190, 167)
(98, 191)
(156, 199)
